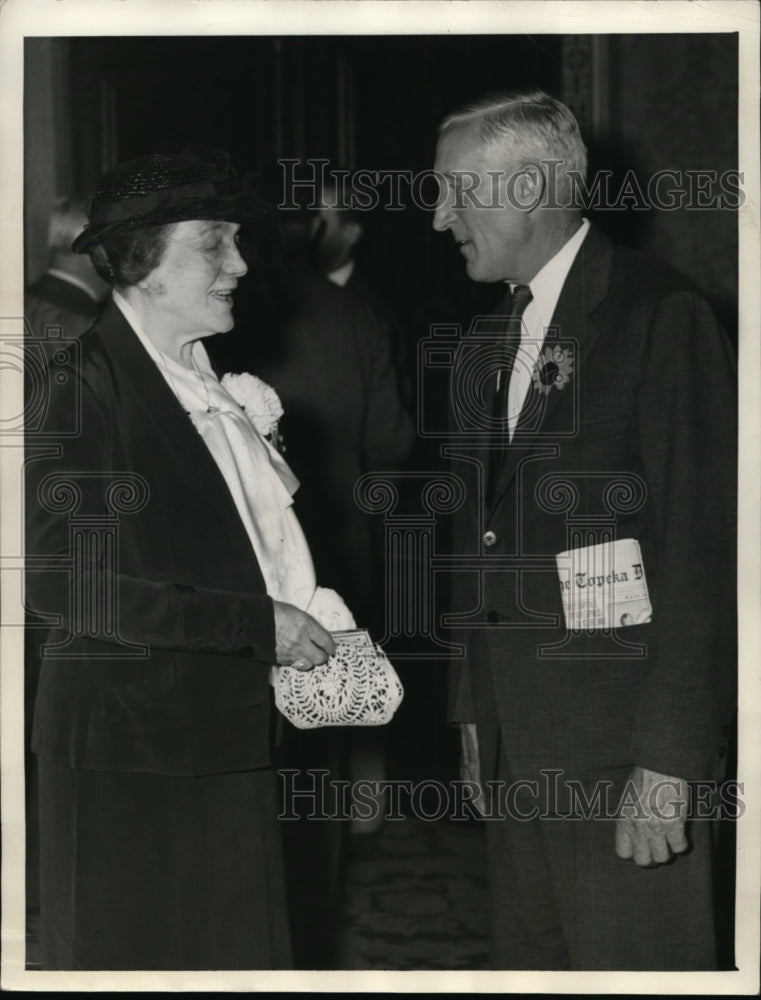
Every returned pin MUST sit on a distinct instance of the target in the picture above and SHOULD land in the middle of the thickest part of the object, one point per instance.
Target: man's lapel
(572, 330)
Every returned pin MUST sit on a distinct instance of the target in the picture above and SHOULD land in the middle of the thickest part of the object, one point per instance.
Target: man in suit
(69, 293)
(336, 229)
(336, 232)
(604, 416)
(58, 307)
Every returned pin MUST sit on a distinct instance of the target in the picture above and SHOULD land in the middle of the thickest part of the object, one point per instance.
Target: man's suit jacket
(643, 435)
(64, 294)
(51, 301)
(160, 657)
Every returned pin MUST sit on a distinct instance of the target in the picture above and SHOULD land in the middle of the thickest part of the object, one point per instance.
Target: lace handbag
(357, 686)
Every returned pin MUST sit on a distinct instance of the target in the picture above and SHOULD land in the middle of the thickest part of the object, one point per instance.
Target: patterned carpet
(419, 902)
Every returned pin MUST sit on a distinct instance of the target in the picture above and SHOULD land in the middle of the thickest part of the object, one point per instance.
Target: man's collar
(547, 283)
(341, 274)
(555, 271)
(65, 276)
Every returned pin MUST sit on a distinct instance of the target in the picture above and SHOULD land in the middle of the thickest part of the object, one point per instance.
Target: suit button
(489, 538)
(725, 731)
(492, 617)
(722, 751)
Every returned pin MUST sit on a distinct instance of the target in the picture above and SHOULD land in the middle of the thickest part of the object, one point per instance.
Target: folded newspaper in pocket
(604, 586)
(357, 686)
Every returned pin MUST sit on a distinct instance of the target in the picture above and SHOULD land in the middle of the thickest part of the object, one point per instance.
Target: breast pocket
(601, 448)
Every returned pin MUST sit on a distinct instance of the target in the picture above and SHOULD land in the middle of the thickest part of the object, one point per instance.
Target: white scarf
(260, 482)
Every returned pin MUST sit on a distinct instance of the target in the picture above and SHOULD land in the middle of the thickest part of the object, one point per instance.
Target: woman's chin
(225, 321)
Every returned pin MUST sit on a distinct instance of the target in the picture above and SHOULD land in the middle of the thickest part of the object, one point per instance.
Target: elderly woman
(163, 547)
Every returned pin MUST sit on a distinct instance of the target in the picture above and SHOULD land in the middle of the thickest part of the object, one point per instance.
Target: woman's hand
(299, 640)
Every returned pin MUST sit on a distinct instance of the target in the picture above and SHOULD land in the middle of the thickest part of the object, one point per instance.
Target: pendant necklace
(211, 410)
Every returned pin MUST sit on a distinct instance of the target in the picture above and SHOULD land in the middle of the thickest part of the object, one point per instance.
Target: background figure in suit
(337, 229)
(328, 354)
(335, 233)
(69, 293)
(616, 417)
(59, 306)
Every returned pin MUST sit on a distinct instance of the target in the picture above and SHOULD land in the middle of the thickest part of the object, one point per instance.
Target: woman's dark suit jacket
(163, 633)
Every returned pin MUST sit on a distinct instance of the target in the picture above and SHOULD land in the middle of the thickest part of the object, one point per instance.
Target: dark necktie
(512, 307)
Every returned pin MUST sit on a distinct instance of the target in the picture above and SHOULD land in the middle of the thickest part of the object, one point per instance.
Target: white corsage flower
(259, 401)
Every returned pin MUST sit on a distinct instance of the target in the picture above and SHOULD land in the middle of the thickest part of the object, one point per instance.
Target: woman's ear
(151, 284)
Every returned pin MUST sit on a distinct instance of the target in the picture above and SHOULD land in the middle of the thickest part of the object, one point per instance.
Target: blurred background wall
(675, 100)
(645, 102)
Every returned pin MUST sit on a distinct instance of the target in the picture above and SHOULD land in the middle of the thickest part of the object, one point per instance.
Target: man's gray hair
(529, 124)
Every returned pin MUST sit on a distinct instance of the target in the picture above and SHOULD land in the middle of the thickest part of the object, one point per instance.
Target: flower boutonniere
(554, 368)
(260, 403)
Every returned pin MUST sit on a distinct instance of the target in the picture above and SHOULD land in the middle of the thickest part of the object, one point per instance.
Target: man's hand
(299, 640)
(651, 822)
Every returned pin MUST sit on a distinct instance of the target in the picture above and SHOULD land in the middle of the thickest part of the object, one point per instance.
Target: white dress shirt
(341, 274)
(545, 287)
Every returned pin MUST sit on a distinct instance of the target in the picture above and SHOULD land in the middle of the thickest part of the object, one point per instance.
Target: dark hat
(158, 189)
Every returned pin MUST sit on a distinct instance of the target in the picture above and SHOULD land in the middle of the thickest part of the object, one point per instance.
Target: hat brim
(240, 208)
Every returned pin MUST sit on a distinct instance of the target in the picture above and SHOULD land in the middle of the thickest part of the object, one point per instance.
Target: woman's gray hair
(529, 124)
(124, 259)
